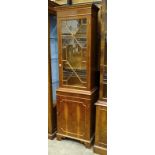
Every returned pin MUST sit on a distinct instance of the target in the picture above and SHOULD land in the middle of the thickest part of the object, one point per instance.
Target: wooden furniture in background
(78, 91)
(100, 146)
(51, 105)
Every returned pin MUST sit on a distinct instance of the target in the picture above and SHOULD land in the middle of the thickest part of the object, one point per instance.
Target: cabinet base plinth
(52, 136)
(87, 144)
(100, 150)
(59, 138)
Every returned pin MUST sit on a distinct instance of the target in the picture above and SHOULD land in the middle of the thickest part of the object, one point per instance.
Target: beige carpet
(68, 147)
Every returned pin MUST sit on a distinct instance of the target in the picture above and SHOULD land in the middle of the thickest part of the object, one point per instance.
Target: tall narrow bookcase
(78, 75)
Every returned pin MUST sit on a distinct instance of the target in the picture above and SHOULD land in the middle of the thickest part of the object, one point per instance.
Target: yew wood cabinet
(52, 81)
(78, 75)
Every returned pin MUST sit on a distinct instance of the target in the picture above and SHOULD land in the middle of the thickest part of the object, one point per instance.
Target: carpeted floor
(68, 147)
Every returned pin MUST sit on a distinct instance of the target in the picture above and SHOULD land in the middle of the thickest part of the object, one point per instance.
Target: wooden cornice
(51, 7)
(52, 4)
(78, 5)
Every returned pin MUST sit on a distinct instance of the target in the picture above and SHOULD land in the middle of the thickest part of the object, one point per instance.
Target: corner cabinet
(53, 80)
(78, 75)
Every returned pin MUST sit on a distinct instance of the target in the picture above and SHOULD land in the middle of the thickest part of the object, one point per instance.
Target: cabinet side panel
(101, 127)
(94, 51)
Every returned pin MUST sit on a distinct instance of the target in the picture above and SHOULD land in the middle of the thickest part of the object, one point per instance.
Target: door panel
(72, 118)
(73, 37)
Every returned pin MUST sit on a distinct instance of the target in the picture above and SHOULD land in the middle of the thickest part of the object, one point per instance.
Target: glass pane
(55, 85)
(54, 48)
(53, 27)
(54, 66)
(54, 57)
(74, 46)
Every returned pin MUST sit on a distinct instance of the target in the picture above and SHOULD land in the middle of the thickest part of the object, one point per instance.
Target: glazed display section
(54, 56)
(74, 45)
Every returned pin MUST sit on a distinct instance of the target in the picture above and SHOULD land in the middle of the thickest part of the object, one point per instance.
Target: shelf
(54, 38)
(83, 35)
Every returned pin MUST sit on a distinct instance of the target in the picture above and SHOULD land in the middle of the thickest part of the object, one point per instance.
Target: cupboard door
(74, 46)
(72, 117)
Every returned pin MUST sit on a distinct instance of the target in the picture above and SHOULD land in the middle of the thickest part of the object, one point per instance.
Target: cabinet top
(77, 6)
(51, 7)
(52, 4)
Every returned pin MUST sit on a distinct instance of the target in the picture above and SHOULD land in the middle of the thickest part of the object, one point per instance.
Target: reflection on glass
(54, 56)
(74, 46)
